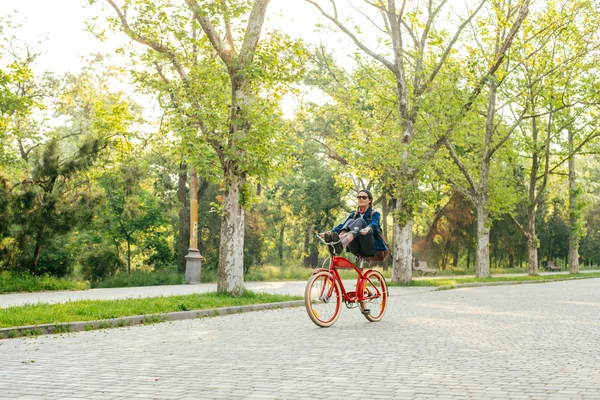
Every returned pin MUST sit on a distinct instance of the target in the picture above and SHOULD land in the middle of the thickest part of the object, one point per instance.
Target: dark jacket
(372, 218)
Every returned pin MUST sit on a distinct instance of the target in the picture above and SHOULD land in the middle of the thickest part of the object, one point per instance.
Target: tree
(414, 69)
(240, 131)
(44, 168)
(476, 154)
(556, 82)
(132, 211)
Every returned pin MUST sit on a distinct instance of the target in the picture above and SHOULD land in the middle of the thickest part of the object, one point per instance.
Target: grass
(94, 310)
(141, 278)
(272, 273)
(23, 283)
(11, 282)
(457, 281)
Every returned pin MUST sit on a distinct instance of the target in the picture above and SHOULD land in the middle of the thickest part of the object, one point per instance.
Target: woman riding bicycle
(364, 224)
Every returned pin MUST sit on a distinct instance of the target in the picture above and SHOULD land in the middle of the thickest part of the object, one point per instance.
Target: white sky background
(60, 27)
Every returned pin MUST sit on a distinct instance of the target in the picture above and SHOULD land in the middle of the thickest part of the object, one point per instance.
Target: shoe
(338, 247)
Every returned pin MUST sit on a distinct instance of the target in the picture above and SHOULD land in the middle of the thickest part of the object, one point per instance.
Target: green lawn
(92, 310)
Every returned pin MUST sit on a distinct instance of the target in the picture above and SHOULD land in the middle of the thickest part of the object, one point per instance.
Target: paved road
(524, 341)
(289, 287)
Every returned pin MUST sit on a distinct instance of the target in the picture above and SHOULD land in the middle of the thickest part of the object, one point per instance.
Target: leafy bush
(141, 278)
(57, 258)
(163, 256)
(100, 263)
(12, 282)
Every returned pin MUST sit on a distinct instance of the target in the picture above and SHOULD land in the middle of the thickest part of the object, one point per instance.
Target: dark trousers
(363, 244)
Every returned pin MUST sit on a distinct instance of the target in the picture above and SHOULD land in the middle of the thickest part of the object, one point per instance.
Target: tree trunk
(38, 250)
(573, 214)
(314, 256)
(532, 242)
(128, 256)
(306, 257)
(280, 244)
(456, 255)
(184, 218)
(231, 249)
(573, 254)
(482, 259)
(384, 215)
(469, 257)
(402, 250)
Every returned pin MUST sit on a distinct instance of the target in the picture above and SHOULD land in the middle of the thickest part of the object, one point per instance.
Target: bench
(422, 268)
(551, 266)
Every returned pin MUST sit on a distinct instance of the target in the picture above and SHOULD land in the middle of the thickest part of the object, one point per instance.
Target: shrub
(13, 282)
(141, 278)
(100, 263)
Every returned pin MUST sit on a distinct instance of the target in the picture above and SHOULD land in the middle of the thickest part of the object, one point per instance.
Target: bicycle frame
(337, 262)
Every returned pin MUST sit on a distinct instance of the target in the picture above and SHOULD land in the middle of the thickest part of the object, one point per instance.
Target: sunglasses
(362, 197)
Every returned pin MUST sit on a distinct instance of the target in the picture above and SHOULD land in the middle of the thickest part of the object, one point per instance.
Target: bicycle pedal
(366, 311)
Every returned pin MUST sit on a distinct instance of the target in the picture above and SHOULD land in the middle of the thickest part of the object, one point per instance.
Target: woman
(364, 224)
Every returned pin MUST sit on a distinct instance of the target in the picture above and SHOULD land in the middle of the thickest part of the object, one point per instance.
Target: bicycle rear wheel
(323, 299)
(376, 304)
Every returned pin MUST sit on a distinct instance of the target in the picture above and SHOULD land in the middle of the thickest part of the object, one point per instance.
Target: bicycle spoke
(323, 299)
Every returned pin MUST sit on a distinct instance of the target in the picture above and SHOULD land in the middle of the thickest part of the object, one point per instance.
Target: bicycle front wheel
(375, 289)
(323, 299)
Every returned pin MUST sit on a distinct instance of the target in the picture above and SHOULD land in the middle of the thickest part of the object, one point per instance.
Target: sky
(61, 26)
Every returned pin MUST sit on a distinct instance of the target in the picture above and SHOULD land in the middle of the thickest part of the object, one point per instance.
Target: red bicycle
(325, 291)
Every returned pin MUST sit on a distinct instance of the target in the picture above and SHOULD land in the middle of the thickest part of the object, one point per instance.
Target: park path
(501, 342)
(287, 287)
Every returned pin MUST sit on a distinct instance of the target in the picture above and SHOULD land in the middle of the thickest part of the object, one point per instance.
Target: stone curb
(64, 327)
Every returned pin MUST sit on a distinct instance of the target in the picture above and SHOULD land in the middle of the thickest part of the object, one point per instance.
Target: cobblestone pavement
(61, 296)
(523, 341)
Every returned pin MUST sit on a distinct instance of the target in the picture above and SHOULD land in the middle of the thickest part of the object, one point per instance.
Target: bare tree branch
(252, 35)
(227, 20)
(361, 45)
(521, 228)
(505, 138)
(449, 48)
(215, 39)
(460, 165)
(149, 42)
(335, 13)
(592, 135)
(491, 71)
(334, 155)
(458, 188)
(379, 6)
(366, 16)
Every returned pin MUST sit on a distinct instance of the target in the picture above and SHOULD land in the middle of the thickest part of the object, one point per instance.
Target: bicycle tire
(324, 311)
(377, 305)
